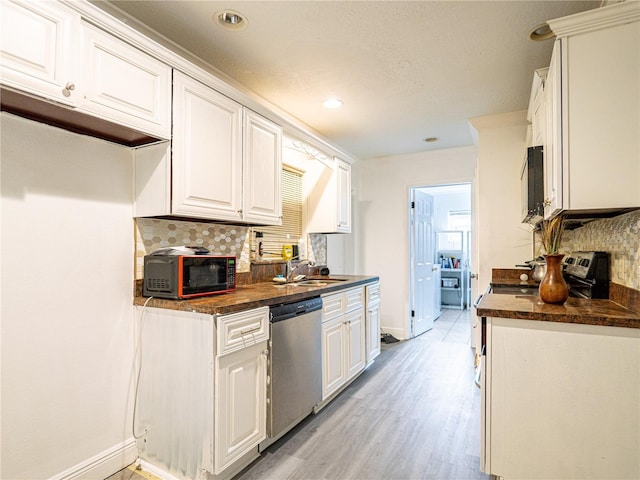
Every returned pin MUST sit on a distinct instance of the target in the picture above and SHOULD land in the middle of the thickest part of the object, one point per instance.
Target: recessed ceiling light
(332, 103)
(431, 139)
(231, 20)
(541, 32)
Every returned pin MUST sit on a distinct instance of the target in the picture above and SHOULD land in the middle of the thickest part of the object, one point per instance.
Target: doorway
(439, 252)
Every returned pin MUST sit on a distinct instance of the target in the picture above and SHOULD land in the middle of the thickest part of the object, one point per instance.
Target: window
(275, 237)
(459, 220)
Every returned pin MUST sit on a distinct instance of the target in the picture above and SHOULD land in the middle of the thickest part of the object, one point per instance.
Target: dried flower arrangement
(551, 234)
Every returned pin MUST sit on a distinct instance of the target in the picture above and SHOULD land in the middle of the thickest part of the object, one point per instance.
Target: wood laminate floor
(414, 414)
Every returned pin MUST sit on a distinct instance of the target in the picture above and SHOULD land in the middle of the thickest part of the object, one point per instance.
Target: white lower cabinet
(343, 339)
(240, 404)
(202, 390)
(560, 400)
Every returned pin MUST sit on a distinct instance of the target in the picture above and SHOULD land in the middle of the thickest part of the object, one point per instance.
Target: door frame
(471, 250)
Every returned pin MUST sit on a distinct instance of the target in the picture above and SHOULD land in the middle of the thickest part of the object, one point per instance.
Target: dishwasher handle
(286, 311)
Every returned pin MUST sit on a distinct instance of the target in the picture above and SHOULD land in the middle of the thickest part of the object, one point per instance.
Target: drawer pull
(249, 330)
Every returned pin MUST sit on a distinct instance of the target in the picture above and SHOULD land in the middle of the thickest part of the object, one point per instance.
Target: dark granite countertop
(575, 310)
(246, 297)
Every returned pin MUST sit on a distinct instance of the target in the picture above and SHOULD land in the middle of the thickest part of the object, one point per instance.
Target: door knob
(473, 275)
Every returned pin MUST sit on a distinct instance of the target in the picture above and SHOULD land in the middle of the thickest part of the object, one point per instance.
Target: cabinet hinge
(413, 313)
(413, 204)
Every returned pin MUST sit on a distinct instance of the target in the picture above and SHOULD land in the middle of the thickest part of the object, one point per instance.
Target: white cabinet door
(262, 197)
(39, 48)
(354, 324)
(240, 404)
(207, 152)
(343, 207)
(552, 164)
(373, 330)
(333, 356)
(329, 199)
(122, 84)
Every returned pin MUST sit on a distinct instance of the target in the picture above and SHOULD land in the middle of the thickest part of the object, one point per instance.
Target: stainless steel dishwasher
(295, 365)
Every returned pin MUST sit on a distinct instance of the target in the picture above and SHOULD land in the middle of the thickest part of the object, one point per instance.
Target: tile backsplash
(620, 236)
(220, 239)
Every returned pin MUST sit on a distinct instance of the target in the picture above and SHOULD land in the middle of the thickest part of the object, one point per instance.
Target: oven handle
(478, 379)
(477, 302)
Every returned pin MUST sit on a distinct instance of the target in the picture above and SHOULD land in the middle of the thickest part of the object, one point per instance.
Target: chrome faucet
(291, 270)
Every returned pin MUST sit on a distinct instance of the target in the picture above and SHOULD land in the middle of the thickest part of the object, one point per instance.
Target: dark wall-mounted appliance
(532, 186)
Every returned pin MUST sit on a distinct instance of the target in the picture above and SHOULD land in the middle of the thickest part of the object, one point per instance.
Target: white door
(425, 275)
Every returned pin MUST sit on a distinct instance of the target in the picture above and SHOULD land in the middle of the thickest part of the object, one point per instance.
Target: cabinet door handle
(70, 86)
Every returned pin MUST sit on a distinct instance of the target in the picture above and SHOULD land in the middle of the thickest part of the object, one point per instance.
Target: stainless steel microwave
(188, 276)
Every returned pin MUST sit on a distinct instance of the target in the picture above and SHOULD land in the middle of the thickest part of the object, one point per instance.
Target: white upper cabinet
(225, 163)
(39, 48)
(262, 164)
(329, 200)
(123, 84)
(50, 53)
(592, 100)
(207, 152)
(536, 113)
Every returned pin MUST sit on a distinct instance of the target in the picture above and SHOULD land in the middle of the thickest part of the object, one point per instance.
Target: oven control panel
(587, 265)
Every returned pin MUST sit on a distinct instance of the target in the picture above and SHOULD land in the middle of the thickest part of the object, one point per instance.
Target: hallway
(414, 414)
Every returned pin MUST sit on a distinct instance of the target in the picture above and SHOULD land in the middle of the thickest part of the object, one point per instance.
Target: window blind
(275, 237)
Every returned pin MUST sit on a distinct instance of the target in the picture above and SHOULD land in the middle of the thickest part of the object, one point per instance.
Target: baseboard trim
(104, 464)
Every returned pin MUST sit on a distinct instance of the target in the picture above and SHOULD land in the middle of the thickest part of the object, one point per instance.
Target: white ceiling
(406, 70)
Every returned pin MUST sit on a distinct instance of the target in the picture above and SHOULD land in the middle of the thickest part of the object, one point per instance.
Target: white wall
(502, 240)
(66, 303)
(380, 242)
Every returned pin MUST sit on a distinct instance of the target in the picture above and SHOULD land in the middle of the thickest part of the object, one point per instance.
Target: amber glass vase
(553, 288)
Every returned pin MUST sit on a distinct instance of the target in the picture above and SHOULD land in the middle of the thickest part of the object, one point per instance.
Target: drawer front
(332, 306)
(354, 299)
(242, 330)
(373, 293)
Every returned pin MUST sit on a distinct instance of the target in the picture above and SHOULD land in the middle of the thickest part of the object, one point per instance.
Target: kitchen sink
(318, 282)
